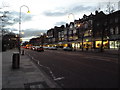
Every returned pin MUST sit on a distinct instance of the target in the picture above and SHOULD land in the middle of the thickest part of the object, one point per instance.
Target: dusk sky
(45, 14)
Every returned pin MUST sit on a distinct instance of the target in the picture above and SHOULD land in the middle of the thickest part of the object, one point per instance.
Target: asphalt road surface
(77, 69)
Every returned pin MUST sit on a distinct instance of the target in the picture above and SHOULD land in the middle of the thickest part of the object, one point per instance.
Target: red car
(38, 48)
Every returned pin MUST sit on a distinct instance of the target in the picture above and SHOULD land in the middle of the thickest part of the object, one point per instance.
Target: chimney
(96, 12)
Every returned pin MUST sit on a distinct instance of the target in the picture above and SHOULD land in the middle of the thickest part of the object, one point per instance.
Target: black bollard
(22, 52)
(15, 60)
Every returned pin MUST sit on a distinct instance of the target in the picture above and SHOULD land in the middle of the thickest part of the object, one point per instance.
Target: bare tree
(110, 7)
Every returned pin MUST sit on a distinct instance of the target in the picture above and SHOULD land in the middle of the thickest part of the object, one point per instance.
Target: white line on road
(56, 79)
(50, 71)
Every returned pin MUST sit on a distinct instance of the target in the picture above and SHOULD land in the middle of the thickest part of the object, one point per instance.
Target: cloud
(60, 23)
(81, 8)
(32, 32)
(56, 12)
(12, 17)
(71, 9)
(15, 16)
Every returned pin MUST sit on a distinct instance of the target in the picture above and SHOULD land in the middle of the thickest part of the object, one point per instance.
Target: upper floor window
(74, 31)
(111, 21)
(59, 34)
(90, 22)
(70, 32)
(71, 26)
(65, 32)
(75, 25)
(98, 24)
(86, 25)
(116, 20)
(112, 31)
(105, 23)
(116, 30)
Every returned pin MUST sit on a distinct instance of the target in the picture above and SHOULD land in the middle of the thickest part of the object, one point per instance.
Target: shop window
(114, 44)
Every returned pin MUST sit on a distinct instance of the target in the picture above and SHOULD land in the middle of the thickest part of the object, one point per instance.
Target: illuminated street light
(20, 25)
(71, 17)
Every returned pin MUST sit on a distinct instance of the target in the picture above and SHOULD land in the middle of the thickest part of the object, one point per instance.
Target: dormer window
(71, 26)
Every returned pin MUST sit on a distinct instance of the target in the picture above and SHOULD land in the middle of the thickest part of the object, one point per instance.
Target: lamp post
(71, 17)
(20, 25)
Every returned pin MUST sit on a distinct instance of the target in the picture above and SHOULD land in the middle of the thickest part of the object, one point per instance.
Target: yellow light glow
(22, 33)
(28, 12)
(65, 45)
(87, 40)
(78, 25)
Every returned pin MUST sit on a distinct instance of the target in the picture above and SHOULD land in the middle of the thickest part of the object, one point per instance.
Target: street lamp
(20, 24)
(71, 17)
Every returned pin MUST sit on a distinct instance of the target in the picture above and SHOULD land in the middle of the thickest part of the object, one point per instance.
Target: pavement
(27, 76)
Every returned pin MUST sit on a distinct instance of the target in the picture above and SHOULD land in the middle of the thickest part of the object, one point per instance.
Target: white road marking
(50, 71)
(59, 78)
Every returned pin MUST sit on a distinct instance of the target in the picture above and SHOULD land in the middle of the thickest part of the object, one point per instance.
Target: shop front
(98, 44)
(87, 43)
(114, 44)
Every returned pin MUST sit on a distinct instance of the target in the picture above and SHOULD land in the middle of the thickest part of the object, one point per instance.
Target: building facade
(90, 32)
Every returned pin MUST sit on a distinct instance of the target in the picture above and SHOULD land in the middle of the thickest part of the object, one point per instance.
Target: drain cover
(35, 85)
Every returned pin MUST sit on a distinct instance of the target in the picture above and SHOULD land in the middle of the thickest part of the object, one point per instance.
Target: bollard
(15, 60)
(22, 52)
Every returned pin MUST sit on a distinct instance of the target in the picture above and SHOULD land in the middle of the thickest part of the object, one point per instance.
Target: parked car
(38, 48)
(52, 48)
(45, 47)
(33, 48)
(67, 48)
(30, 47)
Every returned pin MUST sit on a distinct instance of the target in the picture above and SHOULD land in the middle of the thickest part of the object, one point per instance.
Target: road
(77, 69)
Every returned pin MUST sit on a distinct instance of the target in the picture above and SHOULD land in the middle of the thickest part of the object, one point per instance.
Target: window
(98, 24)
(111, 21)
(116, 30)
(53, 39)
(71, 26)
(105, 23)
(91, 22)
(70, 32)
(116, 20)
(86, 25)
(59, 34)
(112, 31)
(65, 32)
(74, 31)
